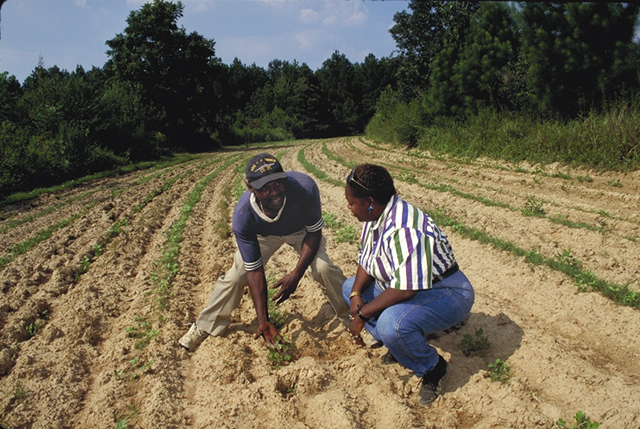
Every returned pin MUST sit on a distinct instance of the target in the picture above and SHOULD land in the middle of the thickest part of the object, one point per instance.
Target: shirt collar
(256, 207)
(380, 221)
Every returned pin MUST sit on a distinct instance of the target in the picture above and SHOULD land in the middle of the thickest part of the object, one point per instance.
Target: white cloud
(309, 16)
(135, 4)
(309, 39)
(197, 5)
(336, 12)
(357, 16)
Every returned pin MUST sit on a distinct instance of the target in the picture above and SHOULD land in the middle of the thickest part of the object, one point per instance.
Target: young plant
(281, 354)
(33, 328)
(499, 371)
(275, 315)
(83, 267)
(616, 183)
(471, 346)
(533, 207)
(20, 392)
(346, 235)
(580, 421)
(332, 221)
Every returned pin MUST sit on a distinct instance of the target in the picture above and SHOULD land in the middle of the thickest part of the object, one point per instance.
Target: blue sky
(67, 33)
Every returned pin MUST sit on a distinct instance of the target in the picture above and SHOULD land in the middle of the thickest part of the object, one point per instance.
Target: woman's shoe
(388, 359)
(433, 383)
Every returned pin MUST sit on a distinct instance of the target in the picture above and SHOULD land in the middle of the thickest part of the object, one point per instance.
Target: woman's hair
(369, 180)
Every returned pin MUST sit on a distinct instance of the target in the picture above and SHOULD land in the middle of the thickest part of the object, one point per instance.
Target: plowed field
(98, 283)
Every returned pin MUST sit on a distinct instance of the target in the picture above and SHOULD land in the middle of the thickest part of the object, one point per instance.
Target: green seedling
(580, 421)
(471, 346)
(332, 221)
(346, 235)
(83, 267)
(616, 183)
(281, 354)
(275, 315)
(97, 250)
(567, 258)
(499, 371)
(534, 207)
(222, 228)
(20, 392)
(33, 328)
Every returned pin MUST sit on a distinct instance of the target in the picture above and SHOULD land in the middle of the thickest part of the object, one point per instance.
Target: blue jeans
(402, 327)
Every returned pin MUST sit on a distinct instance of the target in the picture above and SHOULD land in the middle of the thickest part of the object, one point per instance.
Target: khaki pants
(226, 296)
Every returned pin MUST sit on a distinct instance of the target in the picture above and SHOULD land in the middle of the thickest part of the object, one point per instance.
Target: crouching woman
(408, 284)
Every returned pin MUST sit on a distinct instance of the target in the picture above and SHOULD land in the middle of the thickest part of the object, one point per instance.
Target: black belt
(452, 270)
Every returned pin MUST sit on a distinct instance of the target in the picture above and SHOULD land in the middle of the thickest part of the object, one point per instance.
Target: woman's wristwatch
(365, 319)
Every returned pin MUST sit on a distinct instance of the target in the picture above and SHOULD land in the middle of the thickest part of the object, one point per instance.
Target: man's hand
(270, 334)
(288, 285)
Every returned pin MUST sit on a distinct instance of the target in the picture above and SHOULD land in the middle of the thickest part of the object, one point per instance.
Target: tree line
(543, 59)
(163, 90)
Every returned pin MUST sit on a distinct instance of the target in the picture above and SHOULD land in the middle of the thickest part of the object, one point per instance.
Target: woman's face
(359, 206)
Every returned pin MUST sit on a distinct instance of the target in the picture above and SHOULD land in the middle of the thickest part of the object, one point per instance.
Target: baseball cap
(262, 169)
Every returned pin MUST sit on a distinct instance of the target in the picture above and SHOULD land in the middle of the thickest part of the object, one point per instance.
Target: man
(278, 208)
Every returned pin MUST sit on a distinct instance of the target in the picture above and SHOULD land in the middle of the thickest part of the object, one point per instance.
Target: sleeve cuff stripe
(251, 266)
(317, 227)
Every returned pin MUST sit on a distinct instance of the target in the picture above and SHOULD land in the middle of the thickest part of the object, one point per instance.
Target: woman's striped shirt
(404, 249)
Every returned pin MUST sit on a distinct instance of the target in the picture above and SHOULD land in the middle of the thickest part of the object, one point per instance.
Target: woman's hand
(356, 302)
(357, 324)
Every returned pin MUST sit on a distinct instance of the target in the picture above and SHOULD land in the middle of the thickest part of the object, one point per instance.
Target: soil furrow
(93, 348)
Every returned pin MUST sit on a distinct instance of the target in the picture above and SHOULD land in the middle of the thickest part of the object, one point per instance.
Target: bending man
(278, 208)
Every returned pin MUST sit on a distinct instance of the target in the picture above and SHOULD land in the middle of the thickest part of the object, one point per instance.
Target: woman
(408, 284)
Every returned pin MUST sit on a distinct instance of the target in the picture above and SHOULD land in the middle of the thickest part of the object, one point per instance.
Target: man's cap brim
(259, 183)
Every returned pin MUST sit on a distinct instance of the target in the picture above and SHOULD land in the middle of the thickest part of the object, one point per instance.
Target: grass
(20, 392)
(599, 140)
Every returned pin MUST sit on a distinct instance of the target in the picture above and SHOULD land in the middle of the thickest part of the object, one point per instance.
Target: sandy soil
(95, 349)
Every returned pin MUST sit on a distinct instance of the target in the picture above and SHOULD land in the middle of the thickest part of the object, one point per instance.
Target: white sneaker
(192, 339)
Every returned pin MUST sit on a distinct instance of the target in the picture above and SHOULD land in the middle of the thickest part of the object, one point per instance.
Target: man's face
(272, 194)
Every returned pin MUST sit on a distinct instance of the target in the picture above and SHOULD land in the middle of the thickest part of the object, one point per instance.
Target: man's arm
(258, 289)
(289, 283)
